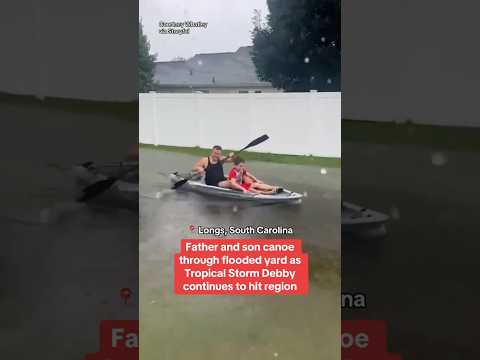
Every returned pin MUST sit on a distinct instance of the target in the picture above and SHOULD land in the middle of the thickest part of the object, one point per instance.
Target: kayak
(363, 222)
(286, 196)
(123, 193)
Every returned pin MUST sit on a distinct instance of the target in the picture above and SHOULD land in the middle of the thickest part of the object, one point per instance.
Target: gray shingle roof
(216, 69)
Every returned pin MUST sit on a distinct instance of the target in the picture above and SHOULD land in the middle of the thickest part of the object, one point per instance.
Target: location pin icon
(125, 294)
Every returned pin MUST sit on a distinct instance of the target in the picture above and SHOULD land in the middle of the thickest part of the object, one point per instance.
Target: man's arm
(228, 158)
(200, 165)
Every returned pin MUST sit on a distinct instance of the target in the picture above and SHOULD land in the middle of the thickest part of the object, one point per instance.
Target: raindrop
(323, 39)
(439, 159)
(323, 171)
(153, 302)
(305, 194)
(275, 354)
(306, 60)
(199, 62)
(235, 208)
(329, 81)
(312, 78)
(332, 43)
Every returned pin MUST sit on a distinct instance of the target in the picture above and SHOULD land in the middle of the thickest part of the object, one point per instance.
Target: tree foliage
(146, 62)
(299, 49)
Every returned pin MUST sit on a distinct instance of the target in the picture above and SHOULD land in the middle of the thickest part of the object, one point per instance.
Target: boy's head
(238, 162)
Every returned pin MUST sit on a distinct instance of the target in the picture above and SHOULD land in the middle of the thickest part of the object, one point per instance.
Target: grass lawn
(436, 137)
(256, 156)
(121, 110)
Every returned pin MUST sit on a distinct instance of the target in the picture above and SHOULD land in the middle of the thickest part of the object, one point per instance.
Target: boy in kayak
(239, 176)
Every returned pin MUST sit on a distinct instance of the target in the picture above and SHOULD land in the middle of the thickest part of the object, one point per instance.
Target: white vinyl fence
(297, 123)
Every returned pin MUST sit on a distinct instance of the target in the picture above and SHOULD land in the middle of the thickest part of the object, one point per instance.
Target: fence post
(251, 114)
(155, 120)
(42, 62)
(199, 120)
(313, 137)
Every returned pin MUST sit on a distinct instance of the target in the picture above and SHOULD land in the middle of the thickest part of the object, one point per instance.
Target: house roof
(215, 69)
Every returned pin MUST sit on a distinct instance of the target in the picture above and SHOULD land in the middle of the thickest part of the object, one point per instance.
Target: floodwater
(61, 264)
(429, 259)
(241, 327)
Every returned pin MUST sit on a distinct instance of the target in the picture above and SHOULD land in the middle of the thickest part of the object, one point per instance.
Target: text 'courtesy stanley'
(241, 267)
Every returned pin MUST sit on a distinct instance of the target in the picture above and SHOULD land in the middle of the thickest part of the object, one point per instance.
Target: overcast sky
(229, 25)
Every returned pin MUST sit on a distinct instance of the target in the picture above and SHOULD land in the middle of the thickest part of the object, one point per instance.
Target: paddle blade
(179, 183)
(96, 189)
(256, 142)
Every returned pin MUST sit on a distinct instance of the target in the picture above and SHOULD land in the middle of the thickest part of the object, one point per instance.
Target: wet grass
(122, 110)
(327, 162)
(436, 137)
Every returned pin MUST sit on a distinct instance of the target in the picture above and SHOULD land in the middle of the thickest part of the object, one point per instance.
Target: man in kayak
(212, 167)
(240, 176)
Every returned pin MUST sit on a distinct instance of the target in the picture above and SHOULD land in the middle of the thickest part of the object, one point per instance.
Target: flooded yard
(238, 327)
(61, 263)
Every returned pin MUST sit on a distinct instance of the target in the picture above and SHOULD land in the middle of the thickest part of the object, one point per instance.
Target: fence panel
(297, 123)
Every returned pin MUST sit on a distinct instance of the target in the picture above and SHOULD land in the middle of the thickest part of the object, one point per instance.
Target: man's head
(239, 162)
(216, 152)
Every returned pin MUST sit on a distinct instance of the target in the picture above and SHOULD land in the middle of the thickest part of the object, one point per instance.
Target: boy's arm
(233, 181)
(235, 185)
(249, 174)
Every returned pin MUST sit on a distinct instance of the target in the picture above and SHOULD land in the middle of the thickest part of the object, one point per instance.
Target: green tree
(299, 49)
(146, 62)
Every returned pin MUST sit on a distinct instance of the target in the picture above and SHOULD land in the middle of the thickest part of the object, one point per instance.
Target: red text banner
(365, 340)
(361, 340)
(241, 267)
(118, 341)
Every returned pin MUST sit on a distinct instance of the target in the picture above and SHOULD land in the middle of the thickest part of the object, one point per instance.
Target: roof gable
(222, 69)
